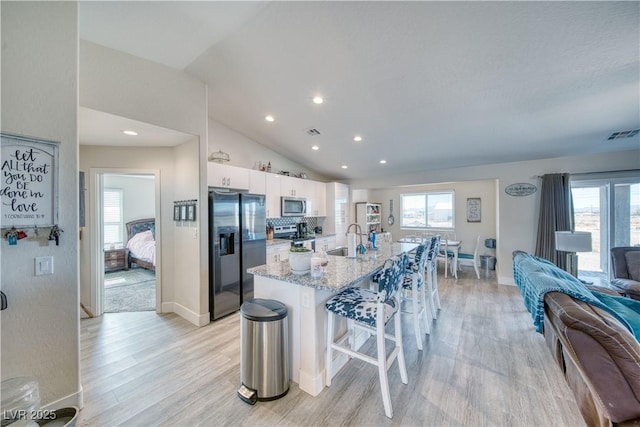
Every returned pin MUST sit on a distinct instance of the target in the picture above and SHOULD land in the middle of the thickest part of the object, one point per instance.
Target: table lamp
(572, 242)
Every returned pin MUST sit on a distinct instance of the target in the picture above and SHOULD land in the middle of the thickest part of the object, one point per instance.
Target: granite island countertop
(340, 273)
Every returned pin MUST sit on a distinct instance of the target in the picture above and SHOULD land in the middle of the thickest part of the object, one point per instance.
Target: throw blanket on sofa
(536, 276)
(627, 308)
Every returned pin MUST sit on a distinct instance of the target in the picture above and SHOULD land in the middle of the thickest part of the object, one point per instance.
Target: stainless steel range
(293, 233)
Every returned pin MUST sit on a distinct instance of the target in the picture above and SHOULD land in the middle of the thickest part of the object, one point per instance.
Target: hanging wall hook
(54, 234)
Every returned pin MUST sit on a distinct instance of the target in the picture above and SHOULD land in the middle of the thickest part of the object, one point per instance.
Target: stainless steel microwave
(292, 206)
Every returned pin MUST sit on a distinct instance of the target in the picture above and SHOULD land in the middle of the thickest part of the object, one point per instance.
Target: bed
(141, 243)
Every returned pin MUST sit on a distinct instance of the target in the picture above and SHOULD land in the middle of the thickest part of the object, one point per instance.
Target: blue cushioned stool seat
(360, 305)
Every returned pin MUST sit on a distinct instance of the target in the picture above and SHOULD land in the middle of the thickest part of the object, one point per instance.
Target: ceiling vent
(623, 134)
(313, 132)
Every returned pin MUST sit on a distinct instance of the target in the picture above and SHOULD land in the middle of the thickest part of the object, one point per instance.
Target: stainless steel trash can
(488, 263)
(264, 350)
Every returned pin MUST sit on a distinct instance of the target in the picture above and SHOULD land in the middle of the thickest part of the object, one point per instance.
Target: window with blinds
(113, 218)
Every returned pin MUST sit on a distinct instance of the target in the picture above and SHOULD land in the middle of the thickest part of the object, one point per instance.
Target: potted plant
(300, 259)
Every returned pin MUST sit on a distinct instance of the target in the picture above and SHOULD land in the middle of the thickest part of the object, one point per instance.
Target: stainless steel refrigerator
(237, 241)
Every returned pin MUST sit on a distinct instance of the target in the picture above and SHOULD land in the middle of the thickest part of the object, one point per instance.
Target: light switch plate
(44, 265)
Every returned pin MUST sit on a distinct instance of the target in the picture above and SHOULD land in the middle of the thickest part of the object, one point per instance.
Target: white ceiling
(429, 85)
(100, 128)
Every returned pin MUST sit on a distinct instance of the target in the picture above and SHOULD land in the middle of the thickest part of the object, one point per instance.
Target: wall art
(474, 209)
(29, 190)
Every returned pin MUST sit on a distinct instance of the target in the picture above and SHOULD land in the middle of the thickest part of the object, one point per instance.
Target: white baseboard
(185, 313)
(506, 280)
(312, 385)
(75, 399)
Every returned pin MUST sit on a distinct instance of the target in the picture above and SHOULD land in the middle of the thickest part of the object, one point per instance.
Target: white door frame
(96, 178)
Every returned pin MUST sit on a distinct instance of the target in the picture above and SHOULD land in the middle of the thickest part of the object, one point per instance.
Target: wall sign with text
(29, 188)
(520, 189)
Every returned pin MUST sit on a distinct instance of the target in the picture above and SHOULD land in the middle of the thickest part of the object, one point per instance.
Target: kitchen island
(305, 299)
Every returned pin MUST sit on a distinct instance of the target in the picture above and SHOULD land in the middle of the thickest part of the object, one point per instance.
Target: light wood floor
(483, 364)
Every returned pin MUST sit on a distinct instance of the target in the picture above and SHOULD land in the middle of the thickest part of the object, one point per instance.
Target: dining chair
(473, 259)
(445, 254)
(371, 311)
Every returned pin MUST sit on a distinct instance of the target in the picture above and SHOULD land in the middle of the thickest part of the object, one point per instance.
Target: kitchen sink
(341, 251)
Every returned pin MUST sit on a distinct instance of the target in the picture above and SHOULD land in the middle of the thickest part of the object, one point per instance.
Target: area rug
(132, 290)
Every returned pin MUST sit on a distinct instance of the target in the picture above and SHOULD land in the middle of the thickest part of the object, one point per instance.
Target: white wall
(516, 216)
(122, 84)
(138, 195)
(465, 231)
(191, 302)
(40, 327)
(246, 153)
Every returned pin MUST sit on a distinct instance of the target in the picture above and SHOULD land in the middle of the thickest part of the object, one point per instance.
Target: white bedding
(143, 246)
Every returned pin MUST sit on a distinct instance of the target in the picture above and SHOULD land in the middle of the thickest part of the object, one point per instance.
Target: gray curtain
(556, 214)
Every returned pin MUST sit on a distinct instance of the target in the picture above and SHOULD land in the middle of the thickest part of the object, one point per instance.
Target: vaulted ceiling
(427, 85)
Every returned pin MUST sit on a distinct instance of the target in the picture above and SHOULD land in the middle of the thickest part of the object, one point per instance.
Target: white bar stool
(371, 311)
(432, 276)
(414, 282)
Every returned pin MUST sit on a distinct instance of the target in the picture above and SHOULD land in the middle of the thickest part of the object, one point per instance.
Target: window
(427, 210)
(608, 208)
(112, 218)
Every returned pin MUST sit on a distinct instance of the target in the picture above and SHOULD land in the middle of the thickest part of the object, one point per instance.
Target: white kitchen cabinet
(257, 182)
(325, 243)
(226, 176)
(272, 183)
(310, 195)
(292, 187)
(277, 253)
(337, 213)
(315, 194)
(320, 198)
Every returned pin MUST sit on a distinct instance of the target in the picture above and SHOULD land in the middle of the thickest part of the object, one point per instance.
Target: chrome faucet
(360, 248)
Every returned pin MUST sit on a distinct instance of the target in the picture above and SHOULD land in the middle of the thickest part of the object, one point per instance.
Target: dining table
(453, 245)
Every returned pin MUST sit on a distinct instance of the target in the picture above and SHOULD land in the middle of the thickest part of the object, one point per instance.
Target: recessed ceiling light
(318, 100)
(130, 132)
(357, 138)
(382, 162)
(269, 118)
(344, 166)
(315, 147)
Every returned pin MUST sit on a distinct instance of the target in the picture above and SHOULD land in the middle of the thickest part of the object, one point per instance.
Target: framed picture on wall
(176, 212)
(183, 212)
(191, 212)
(473, 209)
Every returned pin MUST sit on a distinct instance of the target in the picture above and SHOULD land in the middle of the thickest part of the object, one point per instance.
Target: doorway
(126, 267)
(608, 208)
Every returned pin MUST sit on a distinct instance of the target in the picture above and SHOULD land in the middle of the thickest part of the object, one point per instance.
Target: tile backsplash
(312, 222)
